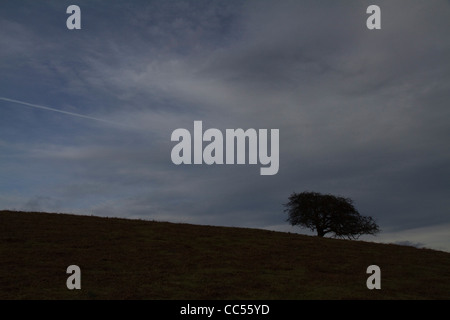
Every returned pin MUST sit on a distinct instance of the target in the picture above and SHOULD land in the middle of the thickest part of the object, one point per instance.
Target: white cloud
(433, 237)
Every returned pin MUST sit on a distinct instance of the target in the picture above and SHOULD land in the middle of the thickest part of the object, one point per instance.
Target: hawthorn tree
(325, 213)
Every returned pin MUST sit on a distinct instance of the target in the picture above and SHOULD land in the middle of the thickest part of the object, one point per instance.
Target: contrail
(56, 110)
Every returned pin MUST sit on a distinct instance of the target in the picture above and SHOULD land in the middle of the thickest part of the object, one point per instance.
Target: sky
(86, 116)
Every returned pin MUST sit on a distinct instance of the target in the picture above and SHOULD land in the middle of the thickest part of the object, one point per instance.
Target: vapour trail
(59, 111)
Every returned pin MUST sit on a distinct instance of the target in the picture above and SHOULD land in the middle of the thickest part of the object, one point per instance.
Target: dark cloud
(42, 203)
(361, 113)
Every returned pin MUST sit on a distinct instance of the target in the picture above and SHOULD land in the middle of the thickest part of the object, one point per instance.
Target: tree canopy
(326, 213)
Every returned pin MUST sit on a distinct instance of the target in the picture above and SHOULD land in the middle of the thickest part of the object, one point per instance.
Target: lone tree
(326, 213)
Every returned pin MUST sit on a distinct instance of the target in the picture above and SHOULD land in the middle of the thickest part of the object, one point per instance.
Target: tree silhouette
(325, 213)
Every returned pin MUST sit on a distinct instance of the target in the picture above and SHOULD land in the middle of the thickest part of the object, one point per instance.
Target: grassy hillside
(133, 259)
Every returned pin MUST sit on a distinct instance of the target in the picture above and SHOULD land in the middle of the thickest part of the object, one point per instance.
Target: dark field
(134, 259)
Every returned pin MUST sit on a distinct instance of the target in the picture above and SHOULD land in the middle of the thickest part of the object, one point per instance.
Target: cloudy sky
(362, 113)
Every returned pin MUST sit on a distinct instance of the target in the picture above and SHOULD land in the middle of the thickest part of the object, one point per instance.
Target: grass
(134, 259)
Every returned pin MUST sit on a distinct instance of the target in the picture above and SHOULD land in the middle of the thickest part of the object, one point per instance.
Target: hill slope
(133, 259)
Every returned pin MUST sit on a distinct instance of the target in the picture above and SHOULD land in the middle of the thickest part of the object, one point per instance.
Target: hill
(135, 259)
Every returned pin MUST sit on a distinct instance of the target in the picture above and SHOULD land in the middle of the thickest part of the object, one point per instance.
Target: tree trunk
(320, 233)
